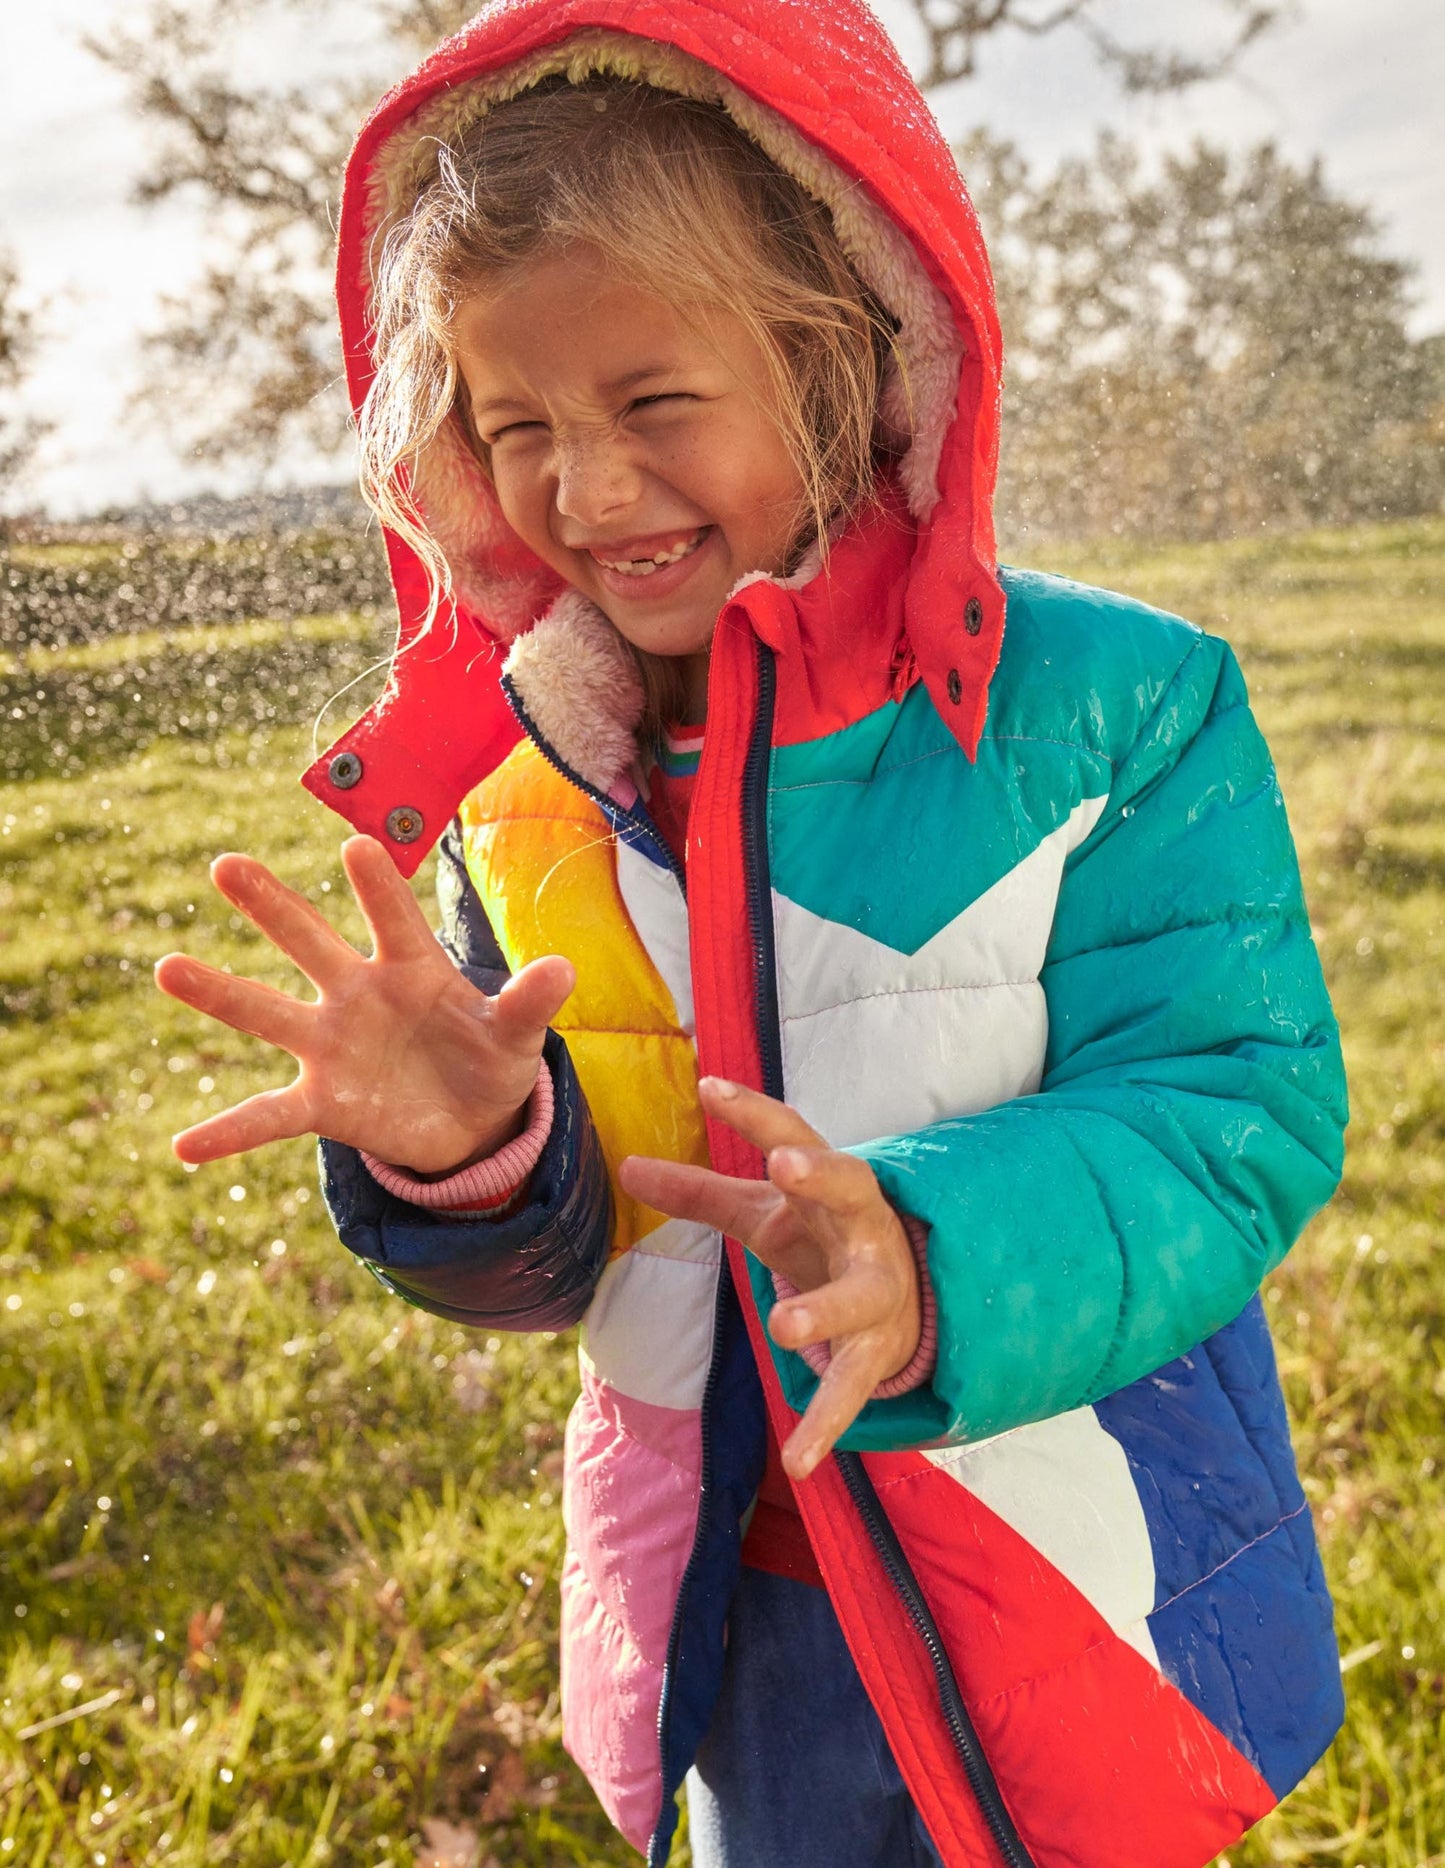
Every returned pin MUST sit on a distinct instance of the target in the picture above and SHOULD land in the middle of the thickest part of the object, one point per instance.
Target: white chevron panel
(877, 1042)
(904, 1060)
(1065, 1485)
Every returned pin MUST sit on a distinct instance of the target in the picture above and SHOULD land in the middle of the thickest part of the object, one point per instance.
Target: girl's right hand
(399, 1055)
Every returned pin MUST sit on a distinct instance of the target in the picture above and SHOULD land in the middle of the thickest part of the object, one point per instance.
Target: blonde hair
(667, 189)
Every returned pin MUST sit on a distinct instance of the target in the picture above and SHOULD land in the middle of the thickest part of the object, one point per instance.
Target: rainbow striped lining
(679, 751)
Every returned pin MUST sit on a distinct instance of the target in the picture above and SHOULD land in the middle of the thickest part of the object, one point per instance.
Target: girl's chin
(686, 630)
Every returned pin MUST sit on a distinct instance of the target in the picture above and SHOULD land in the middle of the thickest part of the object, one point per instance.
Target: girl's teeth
(644, 567)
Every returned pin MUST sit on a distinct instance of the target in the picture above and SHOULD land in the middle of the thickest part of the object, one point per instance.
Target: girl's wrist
(491, 1143)
(483, 1183)
(918, 1370)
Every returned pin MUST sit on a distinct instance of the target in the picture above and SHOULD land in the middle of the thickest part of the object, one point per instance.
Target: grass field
(278, 1555)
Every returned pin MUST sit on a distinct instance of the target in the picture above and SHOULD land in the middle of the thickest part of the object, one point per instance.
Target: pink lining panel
(630, 1500)
(610, 1702)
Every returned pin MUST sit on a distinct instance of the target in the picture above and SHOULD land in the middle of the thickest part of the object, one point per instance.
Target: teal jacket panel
(1184, 1116)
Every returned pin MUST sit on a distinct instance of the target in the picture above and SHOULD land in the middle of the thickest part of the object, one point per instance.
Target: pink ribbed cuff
(486, 1184)
(919, 1371)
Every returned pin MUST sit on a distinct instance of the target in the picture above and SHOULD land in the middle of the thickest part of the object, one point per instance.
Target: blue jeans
(795, 1771)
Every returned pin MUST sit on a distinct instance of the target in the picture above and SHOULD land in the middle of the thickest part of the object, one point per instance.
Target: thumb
(531, 999)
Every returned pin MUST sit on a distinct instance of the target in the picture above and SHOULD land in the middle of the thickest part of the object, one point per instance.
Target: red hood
(822, 88)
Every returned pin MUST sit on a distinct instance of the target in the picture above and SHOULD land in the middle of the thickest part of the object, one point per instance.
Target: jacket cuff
(534, 1268)
(478, 1191)
(918, 1372)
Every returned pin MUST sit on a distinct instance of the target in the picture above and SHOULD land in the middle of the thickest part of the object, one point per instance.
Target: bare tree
(247, 359)
(18, 432)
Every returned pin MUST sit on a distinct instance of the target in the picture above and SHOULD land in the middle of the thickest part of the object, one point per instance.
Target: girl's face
(632, 449)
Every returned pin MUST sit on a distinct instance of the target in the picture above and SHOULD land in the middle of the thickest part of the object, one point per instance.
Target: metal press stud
(344, 771)
(403, 825)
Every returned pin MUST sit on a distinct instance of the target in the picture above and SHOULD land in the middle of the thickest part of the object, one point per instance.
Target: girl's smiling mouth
(661, 561)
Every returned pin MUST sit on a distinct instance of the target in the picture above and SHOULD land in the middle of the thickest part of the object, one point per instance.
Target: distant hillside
(209, 515)
(213, 561)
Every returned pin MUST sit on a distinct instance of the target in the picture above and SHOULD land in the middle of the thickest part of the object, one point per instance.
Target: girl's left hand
(820, 1219)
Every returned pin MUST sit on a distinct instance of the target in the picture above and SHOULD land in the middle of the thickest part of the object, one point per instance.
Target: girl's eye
(518, 430)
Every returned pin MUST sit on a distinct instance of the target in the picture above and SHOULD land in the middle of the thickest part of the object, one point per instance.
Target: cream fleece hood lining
(573, 673)
(581, 687)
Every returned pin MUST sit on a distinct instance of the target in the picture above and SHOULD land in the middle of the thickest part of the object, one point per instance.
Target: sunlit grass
(143, 647)
(91, 702)
(320, 1593)
(212, 1413)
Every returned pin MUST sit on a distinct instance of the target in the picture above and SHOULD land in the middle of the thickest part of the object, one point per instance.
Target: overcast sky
(1356, 84)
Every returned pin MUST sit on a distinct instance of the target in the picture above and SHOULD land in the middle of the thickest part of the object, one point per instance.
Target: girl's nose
(597, 478)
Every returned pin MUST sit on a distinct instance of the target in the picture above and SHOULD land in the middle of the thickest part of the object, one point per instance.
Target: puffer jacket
(989, 875)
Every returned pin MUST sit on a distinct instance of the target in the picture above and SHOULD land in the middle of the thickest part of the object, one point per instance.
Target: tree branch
(956, 29)
(1152, 70)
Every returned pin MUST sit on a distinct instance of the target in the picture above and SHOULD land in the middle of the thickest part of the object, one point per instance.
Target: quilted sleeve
(1192, 1109)
(537, 1267)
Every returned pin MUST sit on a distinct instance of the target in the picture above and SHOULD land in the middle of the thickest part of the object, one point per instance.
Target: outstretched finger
(243, 1004)
(863, 1298)
(761, 1120)
(735, 1207)
(399, 929)
(530, 1000)
(287, 919)
(842, 1183)
(842, 1394)
(272, 1116)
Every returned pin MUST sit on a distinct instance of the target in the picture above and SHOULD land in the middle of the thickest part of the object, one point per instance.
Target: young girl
(877, 998)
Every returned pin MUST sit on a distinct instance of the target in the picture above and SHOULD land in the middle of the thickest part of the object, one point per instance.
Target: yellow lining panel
(540, 855)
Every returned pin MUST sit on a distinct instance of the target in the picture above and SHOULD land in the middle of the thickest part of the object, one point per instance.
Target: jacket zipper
(758, 879)
(976, 1768)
